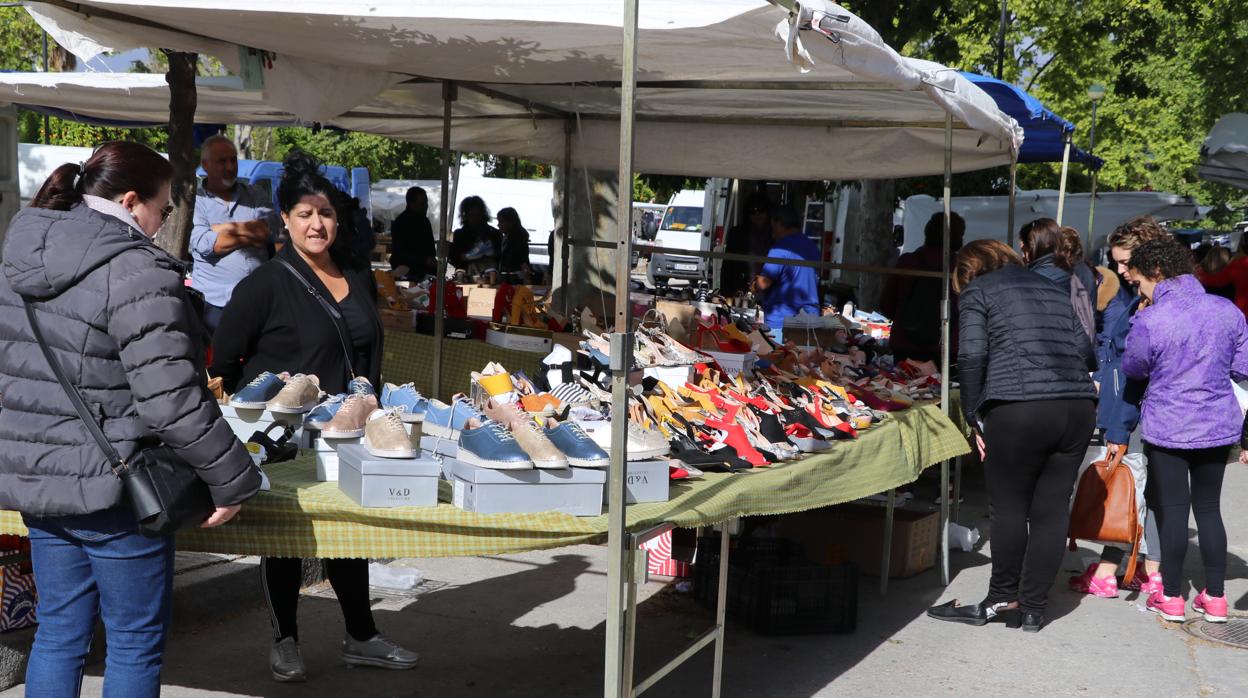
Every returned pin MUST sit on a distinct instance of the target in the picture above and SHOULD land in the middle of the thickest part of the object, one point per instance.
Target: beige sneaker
(300, 394)
(385, 436)
(528, 434)
(348, 422)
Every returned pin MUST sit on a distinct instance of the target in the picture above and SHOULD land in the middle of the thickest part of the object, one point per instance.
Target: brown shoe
(528, 434)
(348, 423)
(300, 394)
(386, 436)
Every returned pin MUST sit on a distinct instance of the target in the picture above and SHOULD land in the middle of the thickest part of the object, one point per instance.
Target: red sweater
(1234, 274)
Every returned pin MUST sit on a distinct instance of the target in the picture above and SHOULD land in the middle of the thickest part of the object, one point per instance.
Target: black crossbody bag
(162, 489)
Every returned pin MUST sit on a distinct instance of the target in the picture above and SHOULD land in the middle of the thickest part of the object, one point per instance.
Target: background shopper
(1024, 362)
(273, 324)
(1189, 346)
(112, 306)
(412, 245)
(514, 258)
(913, 302)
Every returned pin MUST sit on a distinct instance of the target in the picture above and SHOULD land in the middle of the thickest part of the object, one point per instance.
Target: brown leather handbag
(1105, 508)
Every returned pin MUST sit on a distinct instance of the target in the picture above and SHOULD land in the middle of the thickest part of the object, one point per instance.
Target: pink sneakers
(1151, 585)
(1213, 607)
(1171, 608)
(1103, 587)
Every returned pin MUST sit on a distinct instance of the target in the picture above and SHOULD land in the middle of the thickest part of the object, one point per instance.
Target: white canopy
(1224, 156)
(726, 86)
(986, 216)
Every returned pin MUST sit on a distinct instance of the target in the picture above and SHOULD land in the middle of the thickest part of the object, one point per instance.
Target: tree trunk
(244, 135)
(874, 233)
(591, 270)
(175, 235)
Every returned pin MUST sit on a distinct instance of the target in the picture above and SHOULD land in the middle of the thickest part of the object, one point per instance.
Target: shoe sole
(588, 463)
(440, 431)
(1209, 617)
(551, 464)
(286, 409)
(466, 456)
(1167, 616)
(353, 662)
(383, 453)
(635, 454)
(249, 405)
(352, 434)
(288, 679)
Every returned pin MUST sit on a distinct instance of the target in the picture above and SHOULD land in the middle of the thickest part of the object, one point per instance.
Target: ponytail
(112, 170)
(62, 190)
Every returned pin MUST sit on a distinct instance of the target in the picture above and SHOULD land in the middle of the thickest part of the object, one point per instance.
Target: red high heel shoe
(735, 437)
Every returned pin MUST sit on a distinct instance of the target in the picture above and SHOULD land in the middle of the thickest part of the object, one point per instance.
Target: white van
(689, 223)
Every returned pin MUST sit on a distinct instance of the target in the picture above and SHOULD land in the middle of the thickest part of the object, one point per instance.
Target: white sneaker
(643, 444)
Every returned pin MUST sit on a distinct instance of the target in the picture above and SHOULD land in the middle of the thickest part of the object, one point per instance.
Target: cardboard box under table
(855, 532)
(387, 482)
(575, 491)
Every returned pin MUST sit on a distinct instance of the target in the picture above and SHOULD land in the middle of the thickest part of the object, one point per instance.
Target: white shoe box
(387, 482)
(438, 446)
(539, 344)
(673, 376)
(327, 454)
(734, 363)
(244, 423)
(575, 491)
(647, 481)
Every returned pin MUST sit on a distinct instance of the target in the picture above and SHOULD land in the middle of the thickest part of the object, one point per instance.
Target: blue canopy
(1043, 131)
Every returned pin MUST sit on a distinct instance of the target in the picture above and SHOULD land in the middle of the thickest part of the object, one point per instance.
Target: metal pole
(1009, 233)
(886, 558)
(721, 607)
(1005, 20)
(46, 125)
(444, 232)
(565, 231)
(1061, 190)
(1092, 199)
(944, 349)
(617, 679)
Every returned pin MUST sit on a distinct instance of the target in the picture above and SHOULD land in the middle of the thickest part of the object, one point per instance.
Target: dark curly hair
(1161, 258)
(301, 176)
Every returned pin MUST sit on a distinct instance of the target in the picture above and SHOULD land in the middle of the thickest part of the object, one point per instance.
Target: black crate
(774, 591)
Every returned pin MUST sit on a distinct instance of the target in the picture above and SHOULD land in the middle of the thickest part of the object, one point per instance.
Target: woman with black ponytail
(273, 324)
(112, 308)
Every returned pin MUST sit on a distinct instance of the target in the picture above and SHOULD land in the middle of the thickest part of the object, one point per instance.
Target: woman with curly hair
(1190, 416)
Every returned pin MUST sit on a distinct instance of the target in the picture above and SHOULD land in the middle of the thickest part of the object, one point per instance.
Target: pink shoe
(1214, 607)
(1103, 587)
(1171, 608)
(1152, 585)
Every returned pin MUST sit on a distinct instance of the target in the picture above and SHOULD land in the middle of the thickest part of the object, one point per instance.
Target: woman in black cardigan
(274, 324)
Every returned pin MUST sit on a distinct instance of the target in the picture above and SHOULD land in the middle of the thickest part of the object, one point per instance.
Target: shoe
(380, 651)
(1152, 586)
(445, 421)
(256, 394)
(1171, 608)
(643, 444)
(349, 419)
(1102, 587)
(482, 248)
(488, 444)
(1032, 622)
(217, 387)
(300, 394)
(360, 386)
(572, 394)
(572, 440)
(976, 614)
(494, 380)
(1213, 607)
(413, 404)
(532, 438)
(321, 415)
(386, 437)
(286, 663)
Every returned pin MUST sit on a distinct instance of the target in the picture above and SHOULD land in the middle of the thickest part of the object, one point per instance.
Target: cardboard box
(647, 481)
(397, 319)
(733, 362)
(575, 491)
(673, 376)
(519, 338)
(855, 533)
(387, 482)
(680, 320)
(244, 423)
(481, 303)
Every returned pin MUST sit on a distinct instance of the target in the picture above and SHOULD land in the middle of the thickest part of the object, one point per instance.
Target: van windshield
(687, 218)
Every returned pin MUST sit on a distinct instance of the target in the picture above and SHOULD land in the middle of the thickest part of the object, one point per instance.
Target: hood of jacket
(46, 251)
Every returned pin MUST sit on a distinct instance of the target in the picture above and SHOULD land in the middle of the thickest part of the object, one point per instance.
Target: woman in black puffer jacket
(1024, 362)
(112, 307)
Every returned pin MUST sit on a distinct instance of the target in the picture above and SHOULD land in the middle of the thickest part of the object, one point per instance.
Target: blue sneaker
(360, 386)
(581, 450)
(446, 421)
(409, 403)
(256, 394)
(322, 413)
(488, 444)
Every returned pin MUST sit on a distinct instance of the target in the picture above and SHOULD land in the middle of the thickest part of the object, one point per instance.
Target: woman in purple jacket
(1188, 345)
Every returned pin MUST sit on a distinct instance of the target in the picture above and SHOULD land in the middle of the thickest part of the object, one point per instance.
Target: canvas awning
(1224, 155)
(722, 90)
(1045, 132)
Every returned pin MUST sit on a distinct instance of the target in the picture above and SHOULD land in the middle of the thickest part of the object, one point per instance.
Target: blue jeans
(98, 565)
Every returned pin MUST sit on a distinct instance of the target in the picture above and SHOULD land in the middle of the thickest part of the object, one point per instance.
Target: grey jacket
(112, 306)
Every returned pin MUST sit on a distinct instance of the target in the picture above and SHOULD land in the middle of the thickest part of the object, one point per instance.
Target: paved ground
(531, 625)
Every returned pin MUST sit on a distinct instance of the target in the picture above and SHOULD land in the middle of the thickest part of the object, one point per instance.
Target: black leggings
(1033, 454)
(1170, 495)
(282, 576)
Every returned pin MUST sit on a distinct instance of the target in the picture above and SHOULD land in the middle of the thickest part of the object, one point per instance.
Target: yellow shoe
(494, 380)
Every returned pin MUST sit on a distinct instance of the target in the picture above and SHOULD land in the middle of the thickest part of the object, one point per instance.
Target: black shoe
(976, 614)
(1032, 622)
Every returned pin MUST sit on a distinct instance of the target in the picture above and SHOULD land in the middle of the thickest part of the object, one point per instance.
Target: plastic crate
(775, 591)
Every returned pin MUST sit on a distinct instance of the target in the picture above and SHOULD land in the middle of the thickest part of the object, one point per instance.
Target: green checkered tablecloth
(408, 357)
(305, 518)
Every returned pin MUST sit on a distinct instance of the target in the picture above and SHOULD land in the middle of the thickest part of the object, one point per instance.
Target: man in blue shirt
(233, 228)
(788, 290)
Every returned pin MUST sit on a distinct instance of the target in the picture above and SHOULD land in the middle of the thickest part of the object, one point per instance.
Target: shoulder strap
(75, 398)
(334, 315)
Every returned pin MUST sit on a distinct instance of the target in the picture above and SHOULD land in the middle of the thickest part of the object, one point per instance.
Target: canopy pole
(1061, 191)
(1091, 214)
(449, 94)
(1009, 233)
(565, 230)
(944, 346)
(618, 677)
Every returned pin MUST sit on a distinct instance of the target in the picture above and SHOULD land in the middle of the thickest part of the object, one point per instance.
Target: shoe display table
(302, 517)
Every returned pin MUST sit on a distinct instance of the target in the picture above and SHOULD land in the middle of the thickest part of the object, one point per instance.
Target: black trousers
(1033, 450)
(1179, 481)
(282, 576)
